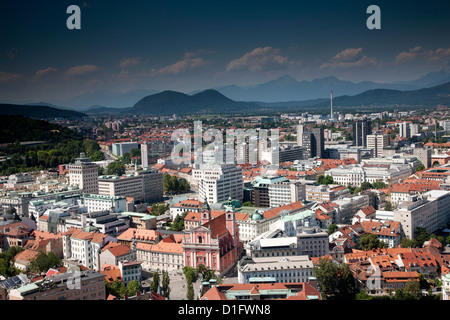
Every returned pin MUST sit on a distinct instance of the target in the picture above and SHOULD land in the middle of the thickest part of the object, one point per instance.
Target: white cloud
(180, 66)
(8, 77)
(129, 62)
(259, 59)
(418, 52)
(81, 70)
(350, 58)
(43, 72)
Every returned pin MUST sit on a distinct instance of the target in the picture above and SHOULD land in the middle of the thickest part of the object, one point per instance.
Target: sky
(196, 45)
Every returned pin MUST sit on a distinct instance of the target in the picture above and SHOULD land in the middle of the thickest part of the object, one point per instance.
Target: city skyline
(195, 46)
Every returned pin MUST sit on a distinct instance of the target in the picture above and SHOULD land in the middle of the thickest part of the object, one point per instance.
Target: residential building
(285, 269)
(113, 252)
(377, 142)
(84, 174)
(166, 255)
(285, 192)
(87, 285)
(418, 213)
(218, 182)
(119, 149)
(326, 193)
(312, 241)
(84, 248)
(262, 291)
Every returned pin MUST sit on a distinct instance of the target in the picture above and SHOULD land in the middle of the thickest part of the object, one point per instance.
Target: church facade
(215, 243)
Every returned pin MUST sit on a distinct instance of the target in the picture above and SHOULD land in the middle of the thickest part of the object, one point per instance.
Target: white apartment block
(256, 224)
(127, 186)
(84, 247)
(98, 202)
(312, 241)
(377, 142)
(420, 213)
(290, 222)
(218, 182)
(356, 174)
(286, 192)
(84, 174)
(282, 269)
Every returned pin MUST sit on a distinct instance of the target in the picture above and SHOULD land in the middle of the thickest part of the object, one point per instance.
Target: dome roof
(257, 216)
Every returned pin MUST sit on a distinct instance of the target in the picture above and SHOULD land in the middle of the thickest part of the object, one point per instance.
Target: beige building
(71, 285)
(377, 142)
(166, 255)
(84, 174)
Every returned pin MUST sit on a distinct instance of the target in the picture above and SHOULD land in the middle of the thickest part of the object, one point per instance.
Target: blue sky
(194, 45)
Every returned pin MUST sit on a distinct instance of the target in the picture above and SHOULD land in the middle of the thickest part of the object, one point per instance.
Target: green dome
(257, 216)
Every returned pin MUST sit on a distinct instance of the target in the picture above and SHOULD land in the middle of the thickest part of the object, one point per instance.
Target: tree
(133, 288)
(155, 282)
(379, 185)
(178, 223)
(388, 206)
(366, 185)
(422, 235)
(409, 243)
(190, 291)
(334, 280)
(326, 180)
(420, 167)
(370, 241)
(44, 261)
(332, 228)
(189, 274)
(115, 168)
(166, 284)
(117, 289)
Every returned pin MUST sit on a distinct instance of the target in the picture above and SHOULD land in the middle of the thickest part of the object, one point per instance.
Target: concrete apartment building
(312, 241)
(418, 213)
(119, 149)
(218, 182)
(377, 142)
(286, 192)
(84, 174)
(145, 185)
(280, 269)
(356, 174)
(326, 193)
(71, 285)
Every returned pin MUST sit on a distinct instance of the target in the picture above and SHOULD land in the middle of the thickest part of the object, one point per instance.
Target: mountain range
(283, 89)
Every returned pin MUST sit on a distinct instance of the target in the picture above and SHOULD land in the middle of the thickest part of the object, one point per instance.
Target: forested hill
(38, 112)
(54, 145)
(19, 128)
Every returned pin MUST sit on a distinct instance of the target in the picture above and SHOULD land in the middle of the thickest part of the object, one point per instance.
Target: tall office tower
(377, 142)
(150, 149)
(414, 129)
(318, 143)
(84, 174)
(218, 182)
(300, 131)
(404, 130)
(424, 156)
(361, 129)
(307, 143)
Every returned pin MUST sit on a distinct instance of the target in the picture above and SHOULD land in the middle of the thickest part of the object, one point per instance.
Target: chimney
(332, 116)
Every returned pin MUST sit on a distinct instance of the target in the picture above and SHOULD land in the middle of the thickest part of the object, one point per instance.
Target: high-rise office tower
(361, 129)
(84, 174)
(377, 142)
(318, 143)
(300, 135)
